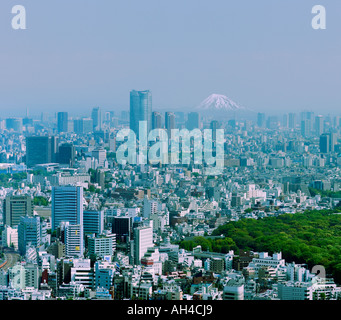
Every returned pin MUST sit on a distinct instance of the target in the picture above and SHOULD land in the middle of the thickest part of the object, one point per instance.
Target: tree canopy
(312, 237)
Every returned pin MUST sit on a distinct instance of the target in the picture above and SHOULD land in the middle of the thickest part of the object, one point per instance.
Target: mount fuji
(219, 102)
(220, 106)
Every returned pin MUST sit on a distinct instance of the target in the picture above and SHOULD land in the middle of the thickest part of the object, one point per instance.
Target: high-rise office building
(156, 120)
(74, 240)
(100, 154)
(319, 125)
(84, 125)
(121, 226)
(62, 122)
(67, 205)
(66, 154)
(15, 207)
(28, 233)
(143, 239)
(93, 221)
(285, 121)
(104, 274)
(328, 142)
(100, 245)
(260, 120)
(337, 122)
(325, 143)
(272, 122)
(21, 276)
(306, 128)
(150, 207)
(14, 124)
(180, 119)
(169, 122)
(140, 109)
(193, 121)
(214, 126)
(96, 116)
(27, 122)
(41, 149)
(333, 140)
(292, 120)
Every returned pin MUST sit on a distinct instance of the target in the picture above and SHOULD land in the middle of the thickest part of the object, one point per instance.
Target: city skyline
(170, 151)
(86, 113)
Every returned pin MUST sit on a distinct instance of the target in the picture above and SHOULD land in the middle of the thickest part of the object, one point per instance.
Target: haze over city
(155, 151)
(75, 56)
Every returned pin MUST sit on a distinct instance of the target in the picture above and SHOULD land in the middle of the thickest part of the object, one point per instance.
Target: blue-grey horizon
(77, 55)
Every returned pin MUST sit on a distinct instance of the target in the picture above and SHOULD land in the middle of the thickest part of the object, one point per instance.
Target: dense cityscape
(78, 224)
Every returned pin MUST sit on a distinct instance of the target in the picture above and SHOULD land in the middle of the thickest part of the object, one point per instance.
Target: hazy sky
(78, 54)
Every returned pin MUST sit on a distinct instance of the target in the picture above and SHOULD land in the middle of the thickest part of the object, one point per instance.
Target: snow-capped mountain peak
(219, 102)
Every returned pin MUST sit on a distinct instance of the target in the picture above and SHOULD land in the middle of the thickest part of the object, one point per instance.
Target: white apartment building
(150, 207)
(264, 260)
(315, 289)
(234, 290)
(143, 239)
(100, 246)
(82, 273)
(10, 237)
(74, 242)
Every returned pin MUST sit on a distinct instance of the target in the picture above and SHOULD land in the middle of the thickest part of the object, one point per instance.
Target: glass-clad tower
(140, 109)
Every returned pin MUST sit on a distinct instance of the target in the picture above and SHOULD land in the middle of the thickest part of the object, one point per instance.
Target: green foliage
(325, 193)
(19, 176)
(92, 188)
(222, 245)
(313, 237)
(40, 201)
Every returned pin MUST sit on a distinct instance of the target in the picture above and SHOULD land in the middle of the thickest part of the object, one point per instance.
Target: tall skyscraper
(169, 122)
(260, 120)
(180, 119)
(16, 206)
(193, 121)
(41, 149)
(84, 125)
(272, 122)
(28, 233)
(67, 205)
(325, 143)
(214, 125)
(74, 240)
(319, 125)
(333, 140)
(328, 142)
(62, 122)
(96, 116)
(66, 154)
(140, 109)
(292, 120)
(285, 121)
(156, 120)
(307, 115)
(306, 128)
